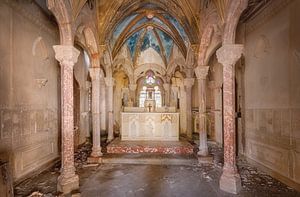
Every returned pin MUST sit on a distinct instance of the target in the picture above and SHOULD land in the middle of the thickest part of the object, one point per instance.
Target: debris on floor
(139, 180)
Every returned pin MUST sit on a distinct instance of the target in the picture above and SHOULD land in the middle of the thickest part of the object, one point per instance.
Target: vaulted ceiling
(111, 13)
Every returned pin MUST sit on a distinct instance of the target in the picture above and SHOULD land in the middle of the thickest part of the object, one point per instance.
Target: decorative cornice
(272, 9)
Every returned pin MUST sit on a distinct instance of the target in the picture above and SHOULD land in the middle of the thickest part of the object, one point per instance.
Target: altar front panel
(150, 126)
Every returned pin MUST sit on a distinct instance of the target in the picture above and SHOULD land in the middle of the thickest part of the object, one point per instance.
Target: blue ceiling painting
(148, 32)
(167, 42)
(150, 40)
(132, 42)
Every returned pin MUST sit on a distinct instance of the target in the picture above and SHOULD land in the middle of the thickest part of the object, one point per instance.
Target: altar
(155, 126)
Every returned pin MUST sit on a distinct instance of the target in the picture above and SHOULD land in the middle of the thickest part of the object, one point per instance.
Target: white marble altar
(150, 126)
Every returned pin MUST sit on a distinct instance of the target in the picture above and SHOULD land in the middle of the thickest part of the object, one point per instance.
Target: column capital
(188, 82)
(201, 72)
(229, 54)
(95, 73)
(166, 86)
(132, 87)
(109, 81)
(66, 54)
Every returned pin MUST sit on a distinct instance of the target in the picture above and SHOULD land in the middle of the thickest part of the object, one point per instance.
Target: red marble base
(161, 147)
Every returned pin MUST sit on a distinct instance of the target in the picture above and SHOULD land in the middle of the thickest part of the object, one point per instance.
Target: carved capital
(95, 74)
(109, 81)
(229, 54)
(166, 86)
(66, 55)
(132, 87)
(201, 72)
(188, 82)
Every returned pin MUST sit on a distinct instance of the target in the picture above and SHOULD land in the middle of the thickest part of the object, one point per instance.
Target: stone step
(150, 159)
(158, 147)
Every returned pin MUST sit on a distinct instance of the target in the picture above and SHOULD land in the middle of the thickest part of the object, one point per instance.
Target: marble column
(188, 84)
(102, 105)
(228, 55)
(110, 85)
(96, 154)
(132, 92)
(201, 73)
(67, 57)
(167, 94)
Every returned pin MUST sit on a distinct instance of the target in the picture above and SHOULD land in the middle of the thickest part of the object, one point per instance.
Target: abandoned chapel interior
(149, 98)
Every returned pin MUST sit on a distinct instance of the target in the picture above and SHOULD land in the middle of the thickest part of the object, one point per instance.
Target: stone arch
(61, 11)
(233, 15)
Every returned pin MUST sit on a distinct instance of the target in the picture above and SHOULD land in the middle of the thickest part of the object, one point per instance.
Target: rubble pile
(81, 154)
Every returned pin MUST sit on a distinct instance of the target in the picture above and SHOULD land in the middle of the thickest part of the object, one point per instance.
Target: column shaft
(230, 180)
(110, 85)
(201, 72)
(102, 105)
(95, 75)
(68, 179)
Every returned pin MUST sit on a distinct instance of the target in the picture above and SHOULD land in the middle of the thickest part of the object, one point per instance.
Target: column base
(94, 160)
(202, 152)
(205, 159)
(231, 183)
(96, 153)
(67, 185)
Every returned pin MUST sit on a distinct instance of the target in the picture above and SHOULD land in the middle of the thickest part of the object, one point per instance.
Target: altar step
(150, 159)
(182, 147)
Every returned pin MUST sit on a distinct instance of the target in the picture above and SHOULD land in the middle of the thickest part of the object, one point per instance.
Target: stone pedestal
(228, 55)
(95, 74)
(201, 73)
(110, 87)
(188, 84)
(68, 179)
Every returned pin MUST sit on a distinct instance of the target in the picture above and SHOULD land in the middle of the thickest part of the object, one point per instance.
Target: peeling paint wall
(29, 87)
(272, 89)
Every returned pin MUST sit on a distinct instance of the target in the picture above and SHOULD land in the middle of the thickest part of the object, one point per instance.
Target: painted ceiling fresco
(149, 29)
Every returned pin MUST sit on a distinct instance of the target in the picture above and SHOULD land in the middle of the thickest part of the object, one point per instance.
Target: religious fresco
(149, 30)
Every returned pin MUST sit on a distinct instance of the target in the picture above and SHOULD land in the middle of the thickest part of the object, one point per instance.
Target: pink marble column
(201, 73)
(68, 179)
(110, 85)
(96, 154)
(103, 104)
(188, 84)
(228, 55)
